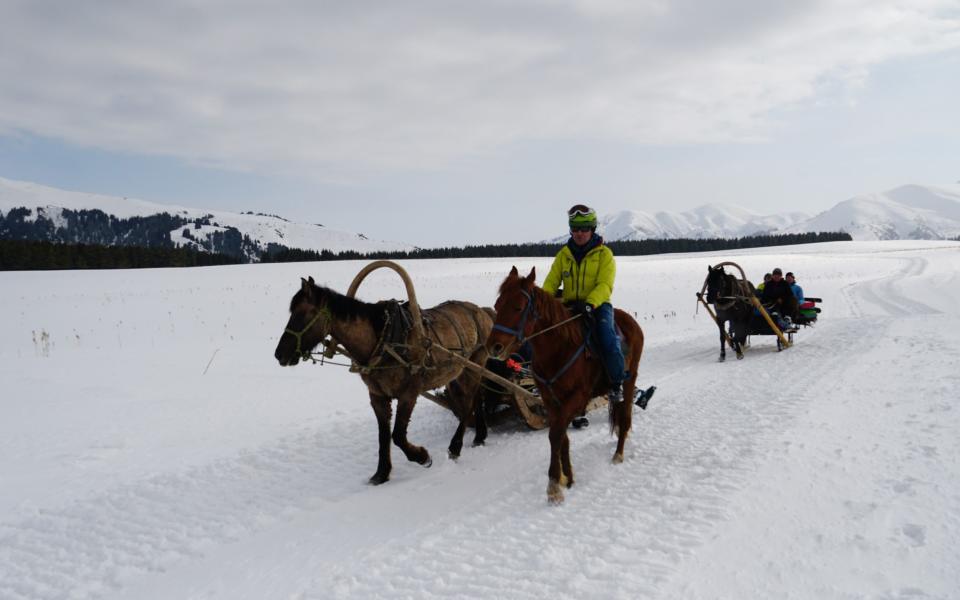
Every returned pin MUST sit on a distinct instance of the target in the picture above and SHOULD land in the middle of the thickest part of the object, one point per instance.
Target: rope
(561, 323)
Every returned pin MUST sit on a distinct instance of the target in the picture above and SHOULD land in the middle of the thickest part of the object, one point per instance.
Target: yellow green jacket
(589, 281)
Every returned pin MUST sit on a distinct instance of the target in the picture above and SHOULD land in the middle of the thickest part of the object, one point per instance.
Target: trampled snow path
(825, 471)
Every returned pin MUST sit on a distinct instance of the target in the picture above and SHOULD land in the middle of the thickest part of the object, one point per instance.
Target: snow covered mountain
(708, 221)
(264, 231)
(916, 212)
(913, 212)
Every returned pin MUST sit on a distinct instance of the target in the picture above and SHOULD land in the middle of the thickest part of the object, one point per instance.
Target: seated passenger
(796, 289)
(760, 286)
(777, 297)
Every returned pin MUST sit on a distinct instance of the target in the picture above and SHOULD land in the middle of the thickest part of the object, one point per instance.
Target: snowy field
(152, 448)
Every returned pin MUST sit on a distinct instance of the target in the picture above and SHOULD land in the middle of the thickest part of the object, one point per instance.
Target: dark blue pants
(609, 342)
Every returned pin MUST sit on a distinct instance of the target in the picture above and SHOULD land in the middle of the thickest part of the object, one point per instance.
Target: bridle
(298, 335)
(528, 310)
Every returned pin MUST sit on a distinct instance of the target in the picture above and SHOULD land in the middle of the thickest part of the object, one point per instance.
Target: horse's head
(716, 279)
(309, 323)
(516, 314)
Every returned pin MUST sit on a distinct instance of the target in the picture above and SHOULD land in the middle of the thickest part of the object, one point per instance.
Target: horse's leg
(417, 454)
(723, 339)
(479, 418)
(382, 409)
(456, 442)
(623, 415)
(566, 466)
(475, 389)
(555, 476)
(739, 337)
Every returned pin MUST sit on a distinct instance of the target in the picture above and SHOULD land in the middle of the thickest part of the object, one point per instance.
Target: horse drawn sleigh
(735, 301)
(402, 352)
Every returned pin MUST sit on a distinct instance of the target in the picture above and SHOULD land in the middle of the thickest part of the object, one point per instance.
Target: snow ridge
(265, 229)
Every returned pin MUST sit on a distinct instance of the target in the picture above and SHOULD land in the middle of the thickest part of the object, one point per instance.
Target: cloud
(337, 89)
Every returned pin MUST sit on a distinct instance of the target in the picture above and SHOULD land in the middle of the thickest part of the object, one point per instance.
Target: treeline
(548, 249)
(35, 255)
(22, 255)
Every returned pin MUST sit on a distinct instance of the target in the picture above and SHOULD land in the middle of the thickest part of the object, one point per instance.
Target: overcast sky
(451, 122)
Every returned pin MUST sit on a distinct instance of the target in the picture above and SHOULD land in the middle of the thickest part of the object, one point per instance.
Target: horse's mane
(343, 307)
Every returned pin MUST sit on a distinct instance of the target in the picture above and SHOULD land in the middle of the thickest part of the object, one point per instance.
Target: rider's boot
(643, 397)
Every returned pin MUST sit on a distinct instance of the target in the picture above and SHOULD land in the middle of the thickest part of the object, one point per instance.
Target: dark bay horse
(728, 295)
(316, 312)
(567, 374)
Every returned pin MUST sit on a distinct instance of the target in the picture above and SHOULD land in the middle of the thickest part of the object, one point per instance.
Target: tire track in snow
(884, 293)
(150, 525)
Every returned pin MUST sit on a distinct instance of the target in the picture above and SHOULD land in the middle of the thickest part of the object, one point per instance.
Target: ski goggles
(580, 211)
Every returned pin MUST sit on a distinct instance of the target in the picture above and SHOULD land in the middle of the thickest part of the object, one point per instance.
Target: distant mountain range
(907, 212)
(37, 212)
(708, 221)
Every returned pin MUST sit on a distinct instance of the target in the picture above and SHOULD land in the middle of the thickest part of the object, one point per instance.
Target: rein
(518, 332)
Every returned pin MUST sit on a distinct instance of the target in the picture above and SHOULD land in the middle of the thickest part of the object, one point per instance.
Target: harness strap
(563, 369)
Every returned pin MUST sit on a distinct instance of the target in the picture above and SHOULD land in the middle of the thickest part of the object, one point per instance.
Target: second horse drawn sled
(735, 301)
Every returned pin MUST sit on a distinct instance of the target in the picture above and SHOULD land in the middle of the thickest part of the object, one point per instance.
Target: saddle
(398, 322)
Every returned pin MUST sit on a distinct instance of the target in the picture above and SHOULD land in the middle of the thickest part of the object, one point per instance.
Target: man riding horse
(585, 269)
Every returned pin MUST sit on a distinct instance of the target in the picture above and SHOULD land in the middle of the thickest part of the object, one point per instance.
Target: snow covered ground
(151, 447)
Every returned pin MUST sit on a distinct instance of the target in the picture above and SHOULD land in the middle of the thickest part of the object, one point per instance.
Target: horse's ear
(532, 276)
(514, 272)
(307, 287)
(312, 282)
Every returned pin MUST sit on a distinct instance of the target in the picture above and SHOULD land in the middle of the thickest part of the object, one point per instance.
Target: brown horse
(566, 372)
(361, 327)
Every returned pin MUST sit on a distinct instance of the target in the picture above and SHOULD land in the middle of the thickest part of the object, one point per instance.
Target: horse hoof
(617, 458)
(453, 455)
(740, 357)
(427, 463)
(554, 493)
(721, 359)
(378, 479)
(480, 443)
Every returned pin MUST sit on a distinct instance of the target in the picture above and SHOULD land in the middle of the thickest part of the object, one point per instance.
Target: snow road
(150, 446)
